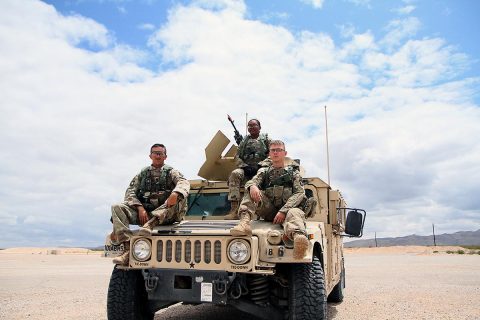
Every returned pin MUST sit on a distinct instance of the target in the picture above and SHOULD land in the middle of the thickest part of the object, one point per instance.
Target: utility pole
(376, 245)
(434, 242)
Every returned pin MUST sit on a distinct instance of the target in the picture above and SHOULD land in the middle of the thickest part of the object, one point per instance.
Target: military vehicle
(198, 261)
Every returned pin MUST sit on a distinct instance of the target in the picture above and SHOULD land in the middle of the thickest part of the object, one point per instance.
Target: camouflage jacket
(251, 151)
(283, 186)
(152, 186)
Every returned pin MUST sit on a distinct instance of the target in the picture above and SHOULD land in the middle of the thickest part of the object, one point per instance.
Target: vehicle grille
(185, 250)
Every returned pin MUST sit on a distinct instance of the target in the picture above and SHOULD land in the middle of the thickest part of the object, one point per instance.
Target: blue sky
(88, 86)
(132, 22)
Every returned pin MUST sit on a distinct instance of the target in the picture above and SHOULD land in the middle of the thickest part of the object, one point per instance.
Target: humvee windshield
(208, 204)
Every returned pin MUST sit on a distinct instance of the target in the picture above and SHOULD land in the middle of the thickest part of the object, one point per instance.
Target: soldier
(157, 195)
(252, 150)
(276, 194)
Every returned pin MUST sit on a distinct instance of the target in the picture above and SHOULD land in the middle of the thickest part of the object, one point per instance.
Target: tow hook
(151, 282)
(220, 286)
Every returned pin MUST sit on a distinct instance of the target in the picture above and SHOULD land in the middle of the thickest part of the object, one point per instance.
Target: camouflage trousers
(123, 215)
(294, 219)
(234, 182)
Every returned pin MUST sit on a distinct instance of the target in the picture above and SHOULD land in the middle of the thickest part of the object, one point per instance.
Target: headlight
(238, 251)
(142, 249)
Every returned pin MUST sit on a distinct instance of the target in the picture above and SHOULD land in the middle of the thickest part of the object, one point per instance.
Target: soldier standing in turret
(157, 195)
(276, 194)
(252, 150)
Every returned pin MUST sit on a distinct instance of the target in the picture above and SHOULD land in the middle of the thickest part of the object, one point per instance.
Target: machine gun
(238, 137)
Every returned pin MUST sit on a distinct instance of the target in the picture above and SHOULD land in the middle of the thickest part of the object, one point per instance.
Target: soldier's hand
(255, 194)
(279, 218)
(142, 215)
(172, 199)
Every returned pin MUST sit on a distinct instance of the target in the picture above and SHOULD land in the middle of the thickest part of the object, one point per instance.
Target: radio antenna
(326, 137)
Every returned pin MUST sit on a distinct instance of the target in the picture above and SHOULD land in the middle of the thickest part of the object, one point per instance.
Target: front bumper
(193, 286)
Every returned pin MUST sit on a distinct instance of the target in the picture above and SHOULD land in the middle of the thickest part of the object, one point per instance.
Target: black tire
(307, 298)
(337, 293)
(127, 298)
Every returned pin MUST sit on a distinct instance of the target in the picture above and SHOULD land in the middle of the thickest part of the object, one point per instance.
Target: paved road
(379, 286)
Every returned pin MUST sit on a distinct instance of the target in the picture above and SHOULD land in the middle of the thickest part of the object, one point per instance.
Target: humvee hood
(212, 227)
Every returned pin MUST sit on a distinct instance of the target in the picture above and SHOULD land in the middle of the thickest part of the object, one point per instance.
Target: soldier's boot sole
(300, 246)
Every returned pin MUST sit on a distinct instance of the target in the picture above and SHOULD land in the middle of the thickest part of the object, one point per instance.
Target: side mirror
(355, 222)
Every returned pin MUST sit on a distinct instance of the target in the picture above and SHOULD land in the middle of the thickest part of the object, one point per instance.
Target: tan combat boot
(300, 245)
(233, 213)
(243, 228)
(146, 229)
(125, 257)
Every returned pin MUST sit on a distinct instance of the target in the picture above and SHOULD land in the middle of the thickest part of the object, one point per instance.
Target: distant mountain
(467, 238)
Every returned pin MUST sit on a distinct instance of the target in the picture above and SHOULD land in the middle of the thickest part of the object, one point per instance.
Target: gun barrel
(238, 137)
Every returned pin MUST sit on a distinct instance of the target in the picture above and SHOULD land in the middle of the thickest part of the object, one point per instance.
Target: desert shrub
(435, 251)
(471, 247)
(449, 251)
(460, 252)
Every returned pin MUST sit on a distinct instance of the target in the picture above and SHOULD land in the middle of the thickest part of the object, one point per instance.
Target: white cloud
(317, 4)
(7, 217)
(423, 62)
(399, 30)
(404, 10)
(146, 26)
(346, 30)
(359, 44)
(363, 3)
(43, 20)
(76, 124)
(271, 16)
(233, 6)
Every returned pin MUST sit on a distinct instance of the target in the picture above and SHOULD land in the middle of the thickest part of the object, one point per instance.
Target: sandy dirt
(382, 283)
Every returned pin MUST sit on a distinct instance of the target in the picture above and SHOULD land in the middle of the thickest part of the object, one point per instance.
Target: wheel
(307, 299)
(127, 298)
(337, 293)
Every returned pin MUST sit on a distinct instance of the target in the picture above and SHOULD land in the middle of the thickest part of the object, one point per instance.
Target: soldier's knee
(116, 209)
(115, 206)
(237, 174)
(295, 213)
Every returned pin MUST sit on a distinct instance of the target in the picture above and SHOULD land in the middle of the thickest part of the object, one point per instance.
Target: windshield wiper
(199, 193)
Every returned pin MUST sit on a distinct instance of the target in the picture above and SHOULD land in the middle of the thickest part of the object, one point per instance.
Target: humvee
(198, 261)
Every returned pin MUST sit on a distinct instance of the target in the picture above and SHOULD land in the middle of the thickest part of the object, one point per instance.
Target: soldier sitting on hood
(157, 195)
(252, 150)
(276, 194)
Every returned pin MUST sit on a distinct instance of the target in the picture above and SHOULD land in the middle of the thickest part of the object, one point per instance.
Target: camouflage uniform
(250, 152)
(150, 188)
(281, 191)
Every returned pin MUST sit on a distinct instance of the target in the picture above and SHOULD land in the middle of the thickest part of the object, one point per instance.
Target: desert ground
(382, 283)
